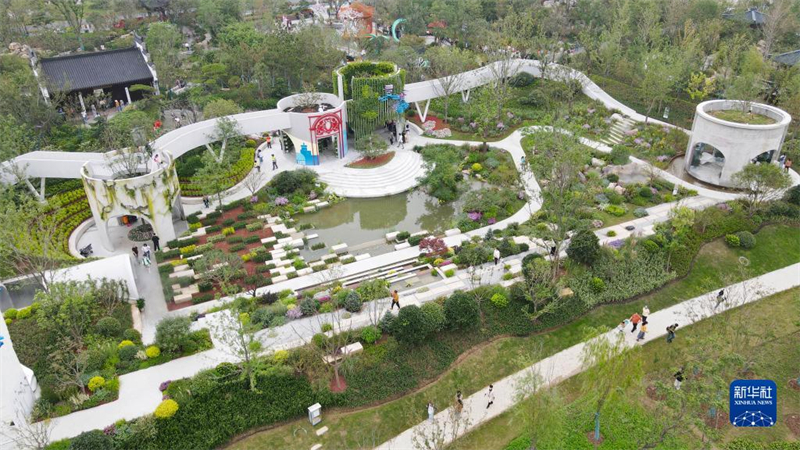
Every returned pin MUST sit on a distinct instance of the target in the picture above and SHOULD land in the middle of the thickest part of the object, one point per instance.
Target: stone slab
(312, 236)
(317, 264)
(269, 240)
(180, 298)
(305, 271)
(309, 209)
(362, 256)
(402, 245)
(339, 248)
(182, 273)
(181, 268)
(322, 204)
(452, 232)
(279, 278)
(392, 236)
(329, 257)
(322, 431)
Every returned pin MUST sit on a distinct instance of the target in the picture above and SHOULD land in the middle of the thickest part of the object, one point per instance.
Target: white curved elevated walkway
(399, 175)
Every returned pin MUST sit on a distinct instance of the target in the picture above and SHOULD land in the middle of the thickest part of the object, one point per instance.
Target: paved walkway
(568, 363)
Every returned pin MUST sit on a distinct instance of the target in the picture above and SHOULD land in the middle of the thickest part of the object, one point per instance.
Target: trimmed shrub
(434, 316)
(166, 409)
(410, 327)
(10, 313)
(96, 383)
(326, 327)
(128, 353)
(132, 334)
(620, 155)
(386, 322)
(640, 212)
(173, 334)
(615, 210)
(92, 440)
(461, 311)
(108, 327)
(598, 285)
(370, 334)
(732, 240)
(499, 300)
(24, 313)
(228, 231)
(584, 247)
(152, 351)
(280, 356)
(645, 192)
(123, 344)
(403, 235)
(746, 239)
(352, 303)
(309, 306)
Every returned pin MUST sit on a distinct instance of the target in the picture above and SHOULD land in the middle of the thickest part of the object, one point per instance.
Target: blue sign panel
(753, 403)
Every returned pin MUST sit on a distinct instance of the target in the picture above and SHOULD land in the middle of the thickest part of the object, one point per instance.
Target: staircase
(399, 175)
(617, 132)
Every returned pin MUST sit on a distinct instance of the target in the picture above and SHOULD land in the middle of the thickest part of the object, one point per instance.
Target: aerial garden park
(522, 222)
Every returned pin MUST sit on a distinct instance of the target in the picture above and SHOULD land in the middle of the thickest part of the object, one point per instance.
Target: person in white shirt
(496, 256)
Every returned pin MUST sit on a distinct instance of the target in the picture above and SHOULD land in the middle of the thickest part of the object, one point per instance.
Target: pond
(362, 223)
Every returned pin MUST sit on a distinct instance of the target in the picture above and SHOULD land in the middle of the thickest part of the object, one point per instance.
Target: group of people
(146, 259)
(459, 403)
(260, 158)
(640, 322)
(398, 135)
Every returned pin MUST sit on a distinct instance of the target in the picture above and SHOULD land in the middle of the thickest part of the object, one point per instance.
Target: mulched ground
(365, 163)
(793, 422)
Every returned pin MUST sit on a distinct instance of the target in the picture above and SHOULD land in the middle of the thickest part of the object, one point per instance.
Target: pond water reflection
(361, 223)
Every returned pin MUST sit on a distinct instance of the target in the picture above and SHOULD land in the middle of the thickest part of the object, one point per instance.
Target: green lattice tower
(362, 84)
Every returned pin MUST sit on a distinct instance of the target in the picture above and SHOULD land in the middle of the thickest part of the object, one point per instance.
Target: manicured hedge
(215, 411)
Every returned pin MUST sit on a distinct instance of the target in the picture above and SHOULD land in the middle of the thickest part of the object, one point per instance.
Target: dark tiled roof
(751, 17)
(788, 58)
(95, 69)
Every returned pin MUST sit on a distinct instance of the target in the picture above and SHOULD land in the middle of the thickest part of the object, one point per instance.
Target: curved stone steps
(399, 175)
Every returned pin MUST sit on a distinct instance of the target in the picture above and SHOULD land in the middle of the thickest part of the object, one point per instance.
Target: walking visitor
(274, 162)
(678, 378)
(490, 396)
(642, 332)
(671, 332)
(720, 298)
(431, 411)
(395, 300)
(269, 143)
(635, 319)
(496, 256)
(206, 201)
(146, 250)
(135, 251)
(645, 313)
(156, 239)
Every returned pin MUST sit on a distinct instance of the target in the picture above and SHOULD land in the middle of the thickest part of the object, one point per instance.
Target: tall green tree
(72, 11)
(163, 42)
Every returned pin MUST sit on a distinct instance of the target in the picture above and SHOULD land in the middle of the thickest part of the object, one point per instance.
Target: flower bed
(77, 358)
(193, 186)
(367, 163)
(655, 144)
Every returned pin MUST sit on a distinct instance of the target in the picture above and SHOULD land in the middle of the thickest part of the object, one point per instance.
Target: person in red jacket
(635, 319)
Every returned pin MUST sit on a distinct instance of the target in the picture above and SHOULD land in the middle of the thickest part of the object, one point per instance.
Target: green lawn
(777, 247)
(776, 359)
(735, 115)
